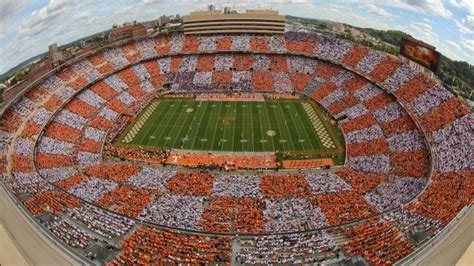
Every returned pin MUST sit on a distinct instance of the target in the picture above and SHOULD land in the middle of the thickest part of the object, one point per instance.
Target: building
(355, 32)
(127, 31)
(3, 86)
(336, 27)
(252, 21)
(162, 21)
(55, 56)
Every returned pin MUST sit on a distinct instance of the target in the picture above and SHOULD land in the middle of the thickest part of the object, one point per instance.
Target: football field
(230, 126)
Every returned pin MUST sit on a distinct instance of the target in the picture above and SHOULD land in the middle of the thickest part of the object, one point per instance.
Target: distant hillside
(457, 76)
(307, 20)
(21, 65)
(92, 37)
(393, 37)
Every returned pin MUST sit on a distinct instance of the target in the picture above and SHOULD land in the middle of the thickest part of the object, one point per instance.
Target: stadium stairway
(235, 249)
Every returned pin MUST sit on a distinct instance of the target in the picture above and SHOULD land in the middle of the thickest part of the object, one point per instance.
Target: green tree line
(457, 76)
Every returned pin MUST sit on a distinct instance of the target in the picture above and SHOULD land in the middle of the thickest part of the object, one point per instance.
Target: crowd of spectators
(67, 154)
(151, 178)
(292, 215)
(58, 173)
(180, 211)
(452, 145)
(410, 223)
(87, 70)
(92, 189)
(51, 201)
(237, 186)
(71, 234)
(149, 245)
(326, 183)
(115, 57)
(146, 47)
(131, 52)
(330, 49)
(302, 248)
(395, 191)
(103, 223)
(379, 242)
(101, 64)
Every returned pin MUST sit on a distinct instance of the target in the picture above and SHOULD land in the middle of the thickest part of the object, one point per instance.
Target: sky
(27, 27)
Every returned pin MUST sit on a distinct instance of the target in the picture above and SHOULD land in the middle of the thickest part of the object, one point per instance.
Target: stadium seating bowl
(408, 166)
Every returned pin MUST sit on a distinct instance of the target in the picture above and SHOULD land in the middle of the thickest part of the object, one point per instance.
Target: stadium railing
(46, 235)
(430, 243)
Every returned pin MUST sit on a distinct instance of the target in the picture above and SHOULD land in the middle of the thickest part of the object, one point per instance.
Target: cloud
(454, 3)
(468, 44)
(431, 6)
(424, 31)
(422, 26)
(82, 15)
(465, 25)
(8, 9)
(450, 50)
(453, 44)
(428, 7)
(462, 27)
(468, 22)
(41, 20)
(467, 5)
(333, 8)
(378, 11)
(428, 20)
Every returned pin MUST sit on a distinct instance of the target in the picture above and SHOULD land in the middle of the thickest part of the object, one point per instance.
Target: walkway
(26, 239)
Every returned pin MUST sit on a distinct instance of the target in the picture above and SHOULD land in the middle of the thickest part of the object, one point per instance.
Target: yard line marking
(136, 128)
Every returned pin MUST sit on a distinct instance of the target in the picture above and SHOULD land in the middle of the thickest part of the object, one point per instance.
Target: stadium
(242, 148)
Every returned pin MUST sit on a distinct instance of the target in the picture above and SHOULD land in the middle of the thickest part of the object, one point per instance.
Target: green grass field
(229, 126)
